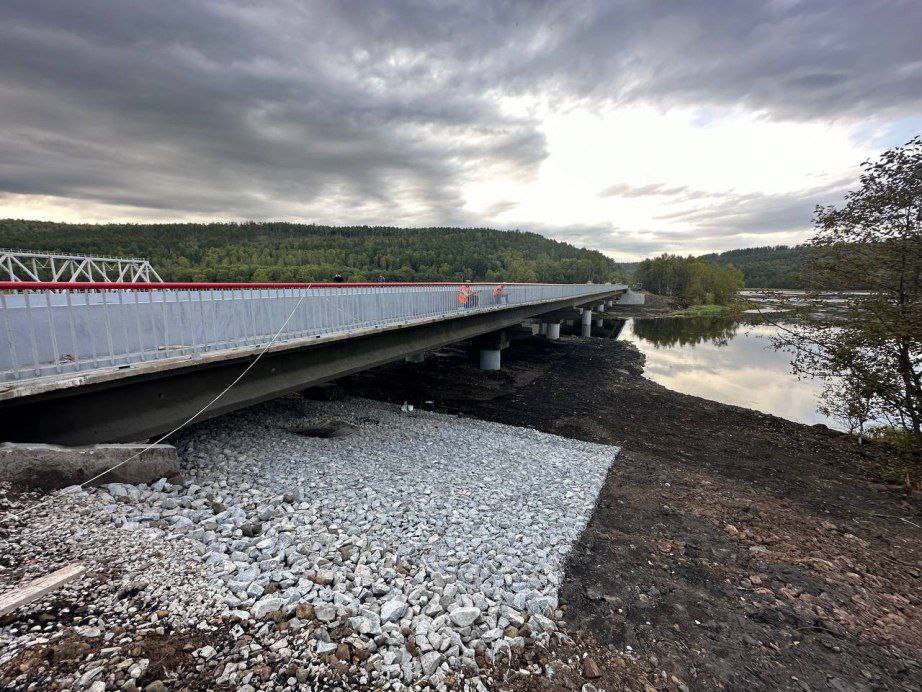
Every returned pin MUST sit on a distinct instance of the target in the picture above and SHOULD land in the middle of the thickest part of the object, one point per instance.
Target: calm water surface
(726, 361)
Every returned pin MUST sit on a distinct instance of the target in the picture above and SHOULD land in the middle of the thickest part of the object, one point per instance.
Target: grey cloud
(225, 109)
(651, 190)
(753, 214)
(382, 112)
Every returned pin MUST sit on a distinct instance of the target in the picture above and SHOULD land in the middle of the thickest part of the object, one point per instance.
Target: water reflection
(686, 331)
(726, 361)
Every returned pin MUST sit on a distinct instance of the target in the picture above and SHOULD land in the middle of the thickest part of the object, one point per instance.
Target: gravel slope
(407, 546)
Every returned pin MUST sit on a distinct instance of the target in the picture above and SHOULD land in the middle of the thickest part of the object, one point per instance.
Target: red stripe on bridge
(182, 285)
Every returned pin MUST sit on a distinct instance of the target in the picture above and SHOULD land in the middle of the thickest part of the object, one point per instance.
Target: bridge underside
(154, 399)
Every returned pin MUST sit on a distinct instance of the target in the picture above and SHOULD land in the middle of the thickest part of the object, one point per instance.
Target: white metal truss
(22, 265)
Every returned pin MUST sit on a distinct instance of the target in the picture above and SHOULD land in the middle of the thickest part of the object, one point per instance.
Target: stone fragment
(464, 616)
(392, 611)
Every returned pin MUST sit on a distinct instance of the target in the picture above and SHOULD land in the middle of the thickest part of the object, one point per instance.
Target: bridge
(123, 362)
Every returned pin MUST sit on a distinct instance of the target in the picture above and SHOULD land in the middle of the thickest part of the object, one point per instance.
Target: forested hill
(777, 266)
(298, 252)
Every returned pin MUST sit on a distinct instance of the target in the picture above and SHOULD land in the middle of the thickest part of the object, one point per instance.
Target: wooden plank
(34, 590)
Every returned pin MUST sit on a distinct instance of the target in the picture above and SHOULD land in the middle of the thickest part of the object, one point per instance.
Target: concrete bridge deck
(123, 362)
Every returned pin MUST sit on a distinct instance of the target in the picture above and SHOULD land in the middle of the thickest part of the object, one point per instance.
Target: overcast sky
(629, 127)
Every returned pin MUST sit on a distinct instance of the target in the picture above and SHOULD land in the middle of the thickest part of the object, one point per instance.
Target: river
(726, 360)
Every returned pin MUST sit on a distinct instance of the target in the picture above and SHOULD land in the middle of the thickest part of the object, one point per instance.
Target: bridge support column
(490, 358)
(416, 357)
(586, 323)
(553, 331)
(601, 307)
(542, 328)
(491, 346)
(600, 322)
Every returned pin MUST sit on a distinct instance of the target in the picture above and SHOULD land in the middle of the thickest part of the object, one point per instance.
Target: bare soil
(728, 549)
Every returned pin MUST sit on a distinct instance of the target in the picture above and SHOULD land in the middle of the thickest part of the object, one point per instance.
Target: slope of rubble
(308, 544)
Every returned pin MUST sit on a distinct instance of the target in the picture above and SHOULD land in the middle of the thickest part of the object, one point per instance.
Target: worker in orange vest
(464, 294)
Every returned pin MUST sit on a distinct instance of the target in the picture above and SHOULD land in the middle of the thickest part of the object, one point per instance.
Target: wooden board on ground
(34, 590)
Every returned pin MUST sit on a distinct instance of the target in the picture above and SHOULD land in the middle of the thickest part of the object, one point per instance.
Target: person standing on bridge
(338, 278)
(500, 296)
(465, 295)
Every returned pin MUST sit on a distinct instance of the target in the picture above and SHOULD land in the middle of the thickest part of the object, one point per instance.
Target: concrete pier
(553, 331)
(600, 322)
(542, 329)
(586, 323)
(490, 358)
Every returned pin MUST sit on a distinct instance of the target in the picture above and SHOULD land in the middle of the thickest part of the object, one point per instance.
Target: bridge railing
(51, 329)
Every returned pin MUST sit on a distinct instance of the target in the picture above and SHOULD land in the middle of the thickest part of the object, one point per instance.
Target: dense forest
(777, 266)
(298, 252)
(691, 280)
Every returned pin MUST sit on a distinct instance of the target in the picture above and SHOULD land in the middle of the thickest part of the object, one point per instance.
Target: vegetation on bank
(775, 266)
(709, 310)
(690, 280)
(869, 351)
(300, 252)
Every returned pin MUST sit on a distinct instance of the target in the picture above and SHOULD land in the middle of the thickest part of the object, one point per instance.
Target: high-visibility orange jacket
(498, 291)
(464, 292)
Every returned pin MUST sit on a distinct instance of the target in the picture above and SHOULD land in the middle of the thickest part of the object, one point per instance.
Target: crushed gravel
(407, 548)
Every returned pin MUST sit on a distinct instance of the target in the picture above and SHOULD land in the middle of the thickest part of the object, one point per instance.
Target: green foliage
(706, 311)
(777, 266)
(690, 280)
(297, 252)
(872, 345)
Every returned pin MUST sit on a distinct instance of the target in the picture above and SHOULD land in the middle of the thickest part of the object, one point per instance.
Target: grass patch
(706, 311)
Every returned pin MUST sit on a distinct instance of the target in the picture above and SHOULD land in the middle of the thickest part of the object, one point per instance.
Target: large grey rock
(53, 466)
(464, 617)
(267, 605)
(392, 611)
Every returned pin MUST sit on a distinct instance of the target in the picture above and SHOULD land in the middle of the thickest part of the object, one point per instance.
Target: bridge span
(120, 362)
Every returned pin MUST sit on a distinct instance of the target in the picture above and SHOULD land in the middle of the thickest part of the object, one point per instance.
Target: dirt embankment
(728, 548)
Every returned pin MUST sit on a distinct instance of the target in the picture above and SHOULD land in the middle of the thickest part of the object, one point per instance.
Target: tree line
(271, 251)
(691, 280)
(771, 266)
